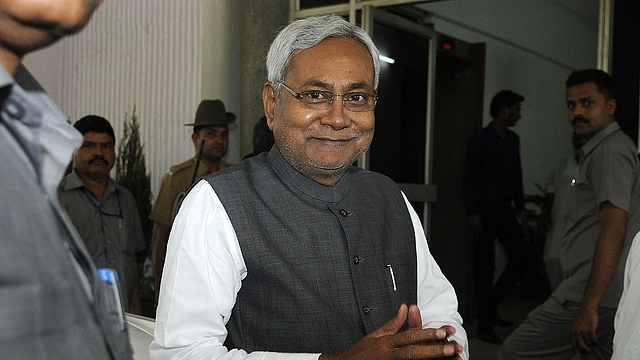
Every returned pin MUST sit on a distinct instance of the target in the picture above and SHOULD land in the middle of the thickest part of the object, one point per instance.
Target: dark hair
(603, 81)
(504, 98)
(94, 123)
(262, 136)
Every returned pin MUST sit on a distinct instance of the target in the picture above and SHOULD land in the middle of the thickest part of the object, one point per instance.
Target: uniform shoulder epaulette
(180, 167)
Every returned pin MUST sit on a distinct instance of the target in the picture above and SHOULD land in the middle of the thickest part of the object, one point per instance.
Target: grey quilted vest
(326, 265)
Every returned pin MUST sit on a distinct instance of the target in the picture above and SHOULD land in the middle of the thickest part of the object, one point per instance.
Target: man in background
(557, 192)
(211, 141)
(52, 303)
(494, 198)
(262, 138)
(602, 218)
(103, 211)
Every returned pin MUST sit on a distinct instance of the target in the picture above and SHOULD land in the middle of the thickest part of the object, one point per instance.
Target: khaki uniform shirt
(174, 183)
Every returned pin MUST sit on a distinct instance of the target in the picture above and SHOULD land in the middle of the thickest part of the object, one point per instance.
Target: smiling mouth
(331, 143)
(331, 140)
(346, 137)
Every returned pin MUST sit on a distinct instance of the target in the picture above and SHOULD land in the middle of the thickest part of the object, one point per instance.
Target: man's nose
(337, 115)
(576, 110)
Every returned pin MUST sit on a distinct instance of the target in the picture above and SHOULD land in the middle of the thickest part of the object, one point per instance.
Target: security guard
(211, 140)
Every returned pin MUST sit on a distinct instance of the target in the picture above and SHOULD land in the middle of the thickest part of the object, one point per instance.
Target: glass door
(401, 148)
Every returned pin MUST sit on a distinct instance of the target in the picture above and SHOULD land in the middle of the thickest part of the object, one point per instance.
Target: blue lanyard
(95, 205)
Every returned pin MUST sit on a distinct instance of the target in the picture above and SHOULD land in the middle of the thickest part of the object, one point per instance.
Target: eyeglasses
(321, 100)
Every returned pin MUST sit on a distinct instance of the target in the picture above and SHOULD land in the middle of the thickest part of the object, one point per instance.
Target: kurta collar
(301, 183)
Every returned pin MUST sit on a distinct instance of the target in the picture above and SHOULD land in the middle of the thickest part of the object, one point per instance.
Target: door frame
(425, 192)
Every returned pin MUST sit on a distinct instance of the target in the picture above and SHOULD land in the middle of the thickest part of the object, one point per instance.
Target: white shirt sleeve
(437, 299)
(626, 341)
(203, 273)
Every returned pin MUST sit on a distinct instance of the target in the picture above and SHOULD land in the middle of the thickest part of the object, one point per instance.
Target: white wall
(531, 48)
(221, 61)
(161, 56)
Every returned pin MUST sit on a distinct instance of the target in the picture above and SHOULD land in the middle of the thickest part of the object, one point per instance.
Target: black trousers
(498, 223)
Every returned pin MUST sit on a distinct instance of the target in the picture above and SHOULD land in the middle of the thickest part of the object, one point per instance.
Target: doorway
(402, 145)
(431, 95)
(458, 108)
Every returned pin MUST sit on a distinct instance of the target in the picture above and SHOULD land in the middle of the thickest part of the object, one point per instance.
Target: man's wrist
(589, 304)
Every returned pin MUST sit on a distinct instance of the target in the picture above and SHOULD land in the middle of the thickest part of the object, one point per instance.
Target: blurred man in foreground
(52, 303)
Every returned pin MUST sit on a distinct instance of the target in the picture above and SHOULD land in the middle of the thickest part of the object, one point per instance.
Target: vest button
(356, 259)
(366, 310)
(344, 213)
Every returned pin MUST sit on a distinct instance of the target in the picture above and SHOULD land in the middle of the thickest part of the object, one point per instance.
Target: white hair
(306, 33)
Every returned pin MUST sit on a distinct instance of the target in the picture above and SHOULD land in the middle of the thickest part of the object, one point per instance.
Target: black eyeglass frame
(328, 98)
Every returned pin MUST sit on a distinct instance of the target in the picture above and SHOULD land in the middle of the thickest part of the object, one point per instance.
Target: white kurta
(626, 341)
(203, 273)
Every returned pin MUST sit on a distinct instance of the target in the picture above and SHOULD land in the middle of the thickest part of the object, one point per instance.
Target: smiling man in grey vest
(296, 250)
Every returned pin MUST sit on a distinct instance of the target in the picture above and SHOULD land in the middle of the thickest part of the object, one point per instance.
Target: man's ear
(269, 103)
(611, 106)
(194, 139)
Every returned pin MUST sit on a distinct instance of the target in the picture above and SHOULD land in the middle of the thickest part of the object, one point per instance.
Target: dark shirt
(492, 171)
